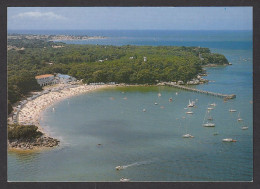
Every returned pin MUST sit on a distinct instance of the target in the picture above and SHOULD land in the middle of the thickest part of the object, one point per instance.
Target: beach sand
(31, 111)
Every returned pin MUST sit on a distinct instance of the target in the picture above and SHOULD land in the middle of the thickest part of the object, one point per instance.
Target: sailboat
(210, 118)
(187, 135)
(191, 104)
(239, 118)
(207, 124)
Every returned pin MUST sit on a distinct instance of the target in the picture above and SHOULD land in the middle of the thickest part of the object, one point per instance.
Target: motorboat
(119, 167)
(156, 103)
(144, 110)
(232, 110)
(190, 112)
(244, 128)
(209, 124)
(187, 136)
(213, 104)
(124, 179)
(210, 108)
(228, 140)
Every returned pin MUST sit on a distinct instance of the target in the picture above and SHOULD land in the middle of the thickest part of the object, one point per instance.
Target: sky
(129, 18)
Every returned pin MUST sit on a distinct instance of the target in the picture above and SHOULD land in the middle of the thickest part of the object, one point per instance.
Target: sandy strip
(30, 112)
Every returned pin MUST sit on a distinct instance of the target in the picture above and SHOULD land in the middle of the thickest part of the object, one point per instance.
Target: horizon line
(135, 29)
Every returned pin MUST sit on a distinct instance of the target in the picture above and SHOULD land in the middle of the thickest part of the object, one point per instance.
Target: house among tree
(64, 78)
(43, 80)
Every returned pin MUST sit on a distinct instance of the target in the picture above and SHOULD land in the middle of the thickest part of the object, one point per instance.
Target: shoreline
(31, 112)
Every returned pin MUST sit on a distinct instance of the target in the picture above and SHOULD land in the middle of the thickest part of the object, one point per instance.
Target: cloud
(36, 14)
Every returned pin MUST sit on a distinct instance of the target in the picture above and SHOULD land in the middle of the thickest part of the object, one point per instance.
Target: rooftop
(43, 76)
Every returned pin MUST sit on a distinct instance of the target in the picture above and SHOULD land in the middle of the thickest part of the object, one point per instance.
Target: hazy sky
(130, 18)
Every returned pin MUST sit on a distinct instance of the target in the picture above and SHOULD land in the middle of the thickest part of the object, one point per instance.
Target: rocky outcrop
(34, 143)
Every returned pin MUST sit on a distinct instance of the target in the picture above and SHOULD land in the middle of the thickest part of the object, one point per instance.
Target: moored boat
(228, 140)
(239, 118)
(187, 136)
(191, 104)
(124, 179)
(208, 124)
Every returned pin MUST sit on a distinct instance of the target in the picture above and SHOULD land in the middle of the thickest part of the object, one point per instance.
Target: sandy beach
(29, 114)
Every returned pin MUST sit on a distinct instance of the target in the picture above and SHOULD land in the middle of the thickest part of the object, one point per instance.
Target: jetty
(225, 96)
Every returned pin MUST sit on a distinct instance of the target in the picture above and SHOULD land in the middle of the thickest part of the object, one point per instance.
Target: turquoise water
(150, 143)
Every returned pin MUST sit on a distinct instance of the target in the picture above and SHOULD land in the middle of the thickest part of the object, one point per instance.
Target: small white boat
(228, 140)
(208, 124)
(239, 118)
(156, 103)
(210, 108)
(232, 110)
(191, 104)
(187, 136)
(159, 94)
(244, 128)
(124, 179)
(213, 104)
(119, 167)
(190, 112)
(176, 93)
(170, 99)
(144, 110)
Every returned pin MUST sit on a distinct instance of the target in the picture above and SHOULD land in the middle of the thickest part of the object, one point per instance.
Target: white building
(43, 80)
(145, 59)
(61, 78)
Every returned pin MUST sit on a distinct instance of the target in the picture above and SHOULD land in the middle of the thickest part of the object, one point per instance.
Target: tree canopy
(103, 63)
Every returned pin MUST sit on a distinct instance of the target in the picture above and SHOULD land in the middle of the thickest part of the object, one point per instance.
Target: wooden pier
(225, 96)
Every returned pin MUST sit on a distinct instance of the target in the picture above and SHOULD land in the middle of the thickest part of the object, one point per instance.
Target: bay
(150, 143)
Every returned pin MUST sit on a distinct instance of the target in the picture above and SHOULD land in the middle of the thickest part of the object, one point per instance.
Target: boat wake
(120, 167)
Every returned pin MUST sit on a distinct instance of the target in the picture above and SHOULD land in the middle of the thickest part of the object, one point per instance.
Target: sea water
(107, 128)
